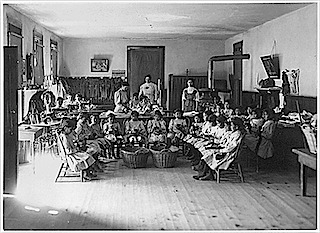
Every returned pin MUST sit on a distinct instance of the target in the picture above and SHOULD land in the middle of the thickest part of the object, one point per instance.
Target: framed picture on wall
(271, 65)
(99, 65)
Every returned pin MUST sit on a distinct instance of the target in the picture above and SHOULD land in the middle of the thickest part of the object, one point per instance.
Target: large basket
(135, 157)
(162, 157)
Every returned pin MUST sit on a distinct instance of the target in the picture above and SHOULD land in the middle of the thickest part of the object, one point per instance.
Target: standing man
(149, 89)
(121, 99)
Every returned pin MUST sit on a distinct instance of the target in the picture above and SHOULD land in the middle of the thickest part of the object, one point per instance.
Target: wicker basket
(162, 157)
(135, 157)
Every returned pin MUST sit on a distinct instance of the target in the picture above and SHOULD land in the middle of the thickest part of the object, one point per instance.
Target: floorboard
(160, 199)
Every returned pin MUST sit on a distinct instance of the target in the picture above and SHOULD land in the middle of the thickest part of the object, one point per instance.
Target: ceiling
(152, 20)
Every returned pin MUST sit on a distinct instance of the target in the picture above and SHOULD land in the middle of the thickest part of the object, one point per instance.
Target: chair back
(239, 147)
(61, 148)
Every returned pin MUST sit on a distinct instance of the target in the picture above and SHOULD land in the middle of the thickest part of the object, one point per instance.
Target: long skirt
(265, 149)
(80, 161)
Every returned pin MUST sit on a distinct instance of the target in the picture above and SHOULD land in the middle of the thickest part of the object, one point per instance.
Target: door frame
(162, 78)
(10, 119)
(237, 72)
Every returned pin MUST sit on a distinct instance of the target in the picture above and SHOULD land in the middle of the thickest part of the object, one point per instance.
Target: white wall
(28, 26)
(179, 55)
(293, 37)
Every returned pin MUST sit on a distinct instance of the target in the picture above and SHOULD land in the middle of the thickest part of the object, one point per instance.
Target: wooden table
(306, 159)
(30, 133)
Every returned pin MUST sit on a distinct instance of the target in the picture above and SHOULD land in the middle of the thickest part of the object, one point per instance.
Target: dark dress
(190, 102)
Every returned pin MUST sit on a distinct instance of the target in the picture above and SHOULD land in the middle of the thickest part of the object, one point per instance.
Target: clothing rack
(99, 90)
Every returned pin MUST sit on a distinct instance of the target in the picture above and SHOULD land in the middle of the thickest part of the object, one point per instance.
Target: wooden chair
(235, 166)
(64, 166)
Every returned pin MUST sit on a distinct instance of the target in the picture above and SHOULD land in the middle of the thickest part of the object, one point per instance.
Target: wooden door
(143, 61)
(10, 118)
(16, 40)
(237, 72)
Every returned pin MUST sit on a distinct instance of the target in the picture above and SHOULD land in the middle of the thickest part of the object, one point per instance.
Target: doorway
(144, 60)
(10, 126)
(237, 72)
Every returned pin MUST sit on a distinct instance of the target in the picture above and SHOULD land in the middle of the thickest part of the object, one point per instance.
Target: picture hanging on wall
(99, 65)
(271, 65)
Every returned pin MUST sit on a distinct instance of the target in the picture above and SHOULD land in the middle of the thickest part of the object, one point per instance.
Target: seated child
(79, 159)
(248, 113)
(59, 102)
(208, 130)
(256, 122)
(67, 101)
(264, 134)
(144, 105)
(157, 128)
(217, 110)
(112, 132)
(82, 129)
(111, 128)
(218, 132)
(86, 135)
(134, 102)
(178, 127)
(227, 111)
(95, 127)
(205, 129)
(135, 131)
(195, 128)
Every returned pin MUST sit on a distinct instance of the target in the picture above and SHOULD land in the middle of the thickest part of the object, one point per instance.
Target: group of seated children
(211, 143)
(215, 145)
(142, 105)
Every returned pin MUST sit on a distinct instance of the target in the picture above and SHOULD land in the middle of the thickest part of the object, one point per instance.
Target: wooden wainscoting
(308, 103)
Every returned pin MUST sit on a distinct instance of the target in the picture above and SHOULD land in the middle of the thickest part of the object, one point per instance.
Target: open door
(10, 126)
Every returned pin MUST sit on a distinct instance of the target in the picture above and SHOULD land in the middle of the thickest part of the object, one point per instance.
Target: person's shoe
(209, 176)
(87, 178)
(197, 167)
(92, 174)
(196, 177)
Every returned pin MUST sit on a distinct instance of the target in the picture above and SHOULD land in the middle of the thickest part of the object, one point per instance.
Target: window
(54, 59)
(38, 58)
(15, 39)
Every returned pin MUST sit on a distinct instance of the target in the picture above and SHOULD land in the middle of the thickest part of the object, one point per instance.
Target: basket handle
(165, 150)
(144, 150)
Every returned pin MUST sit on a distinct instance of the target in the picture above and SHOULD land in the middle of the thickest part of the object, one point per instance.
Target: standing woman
(190, 97)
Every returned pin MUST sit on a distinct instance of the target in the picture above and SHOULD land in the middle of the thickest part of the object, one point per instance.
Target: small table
(30, 133)
(306, 159)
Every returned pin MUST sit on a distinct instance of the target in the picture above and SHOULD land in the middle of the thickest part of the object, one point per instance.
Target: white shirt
(150, 90)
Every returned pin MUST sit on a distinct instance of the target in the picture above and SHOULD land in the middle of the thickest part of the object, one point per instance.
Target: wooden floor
(160, 199)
